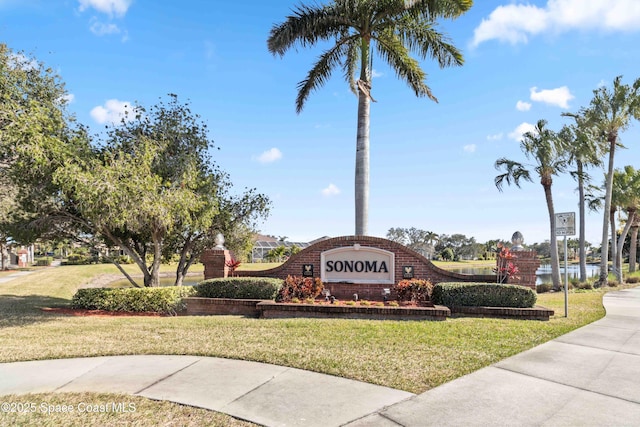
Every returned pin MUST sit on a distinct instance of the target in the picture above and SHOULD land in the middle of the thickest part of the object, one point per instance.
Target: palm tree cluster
(587, 143)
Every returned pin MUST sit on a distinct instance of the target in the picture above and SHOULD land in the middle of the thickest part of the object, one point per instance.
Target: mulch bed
(95, 313)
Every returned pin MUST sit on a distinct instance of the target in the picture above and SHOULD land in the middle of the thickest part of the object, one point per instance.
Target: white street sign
(566, 224)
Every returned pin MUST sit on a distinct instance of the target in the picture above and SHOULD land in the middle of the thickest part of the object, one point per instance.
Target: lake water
(543, 273)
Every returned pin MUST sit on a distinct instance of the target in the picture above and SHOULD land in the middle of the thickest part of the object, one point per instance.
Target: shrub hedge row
(44, 262)
(239, 288)
(165, 300)
(452, 294)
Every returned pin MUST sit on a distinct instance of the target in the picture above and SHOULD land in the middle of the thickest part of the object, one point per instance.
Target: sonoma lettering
(356, 267)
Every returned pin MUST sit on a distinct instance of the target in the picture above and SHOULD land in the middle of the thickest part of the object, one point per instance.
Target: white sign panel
(566, 224)
(358, 264)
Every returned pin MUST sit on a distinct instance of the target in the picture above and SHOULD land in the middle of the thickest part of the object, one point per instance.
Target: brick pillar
(527, 263)
(23, 258)
(214, 261)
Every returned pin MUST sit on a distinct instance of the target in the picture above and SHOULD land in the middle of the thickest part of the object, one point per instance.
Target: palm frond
(321, 71)
(515, 172)
(432, 9)
(422, 37)
(350, 64)
(594, 197)
(392, 51)
(305, 27)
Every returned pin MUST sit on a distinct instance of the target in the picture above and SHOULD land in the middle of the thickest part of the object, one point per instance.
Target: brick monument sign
(360, 265)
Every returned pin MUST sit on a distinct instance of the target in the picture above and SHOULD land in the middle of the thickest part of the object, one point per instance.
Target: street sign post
(566, 226)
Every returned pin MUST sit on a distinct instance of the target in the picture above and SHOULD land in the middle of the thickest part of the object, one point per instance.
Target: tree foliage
(148, 186)
(609, 113)
(355, 30)
(544, 148)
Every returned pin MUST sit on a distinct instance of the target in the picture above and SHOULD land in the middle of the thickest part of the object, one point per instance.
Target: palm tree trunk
(633, 246)
(362, 166)
(604, 247)
(362, 145)
(631, 213)
(582, 232)
(614, 240)
(555, 263)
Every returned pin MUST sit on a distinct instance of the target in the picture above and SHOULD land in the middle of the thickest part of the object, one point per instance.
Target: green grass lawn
(140, 412)
(409, 355)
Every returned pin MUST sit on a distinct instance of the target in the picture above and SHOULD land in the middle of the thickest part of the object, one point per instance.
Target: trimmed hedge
(165, 300)
(452, 294)
(44, 262)
(239, 288)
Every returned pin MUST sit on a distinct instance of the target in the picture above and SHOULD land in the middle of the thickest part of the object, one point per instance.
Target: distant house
(263, 244)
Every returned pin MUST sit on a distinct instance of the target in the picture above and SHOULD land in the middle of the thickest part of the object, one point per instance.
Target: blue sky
(431, 163)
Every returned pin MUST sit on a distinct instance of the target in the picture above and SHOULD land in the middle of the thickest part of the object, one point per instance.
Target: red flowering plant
(233, 264)
(506, 269)
(300, 288)
(414, 290)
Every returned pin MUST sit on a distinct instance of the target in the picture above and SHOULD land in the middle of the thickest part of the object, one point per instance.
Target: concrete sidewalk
(262, 393)
(14, 275)
(588, 377)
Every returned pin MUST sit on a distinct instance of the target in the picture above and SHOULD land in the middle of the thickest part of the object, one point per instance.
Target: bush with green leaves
(165, 300)
(239, 288)
(452, 294)
(44, 262)
(544, 287)
(77, 259)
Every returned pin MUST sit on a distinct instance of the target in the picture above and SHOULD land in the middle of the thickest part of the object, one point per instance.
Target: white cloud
(521, 130)
(113, 112)
(110, 7)
(523, 106)
(331, 190)
(20, 60)
(68, 98)
(101, 29)
(470, 148)
(559, 96)
(375, 74)
(495, 137)
(269, 156)
(516, 23)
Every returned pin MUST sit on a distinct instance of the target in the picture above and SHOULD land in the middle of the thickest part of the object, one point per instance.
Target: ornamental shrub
(414, 290)
(165, 300)
(299, 287)
(483, 295)
(239, 288)
(77, 259)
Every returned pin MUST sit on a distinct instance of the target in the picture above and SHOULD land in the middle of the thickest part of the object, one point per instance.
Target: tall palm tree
(609, 113)
(544, 148)
(584, 151)
(394, 29)
(626, 195)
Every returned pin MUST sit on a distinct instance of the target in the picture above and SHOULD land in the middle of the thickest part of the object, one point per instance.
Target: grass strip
(106, 409)
(408, 355)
